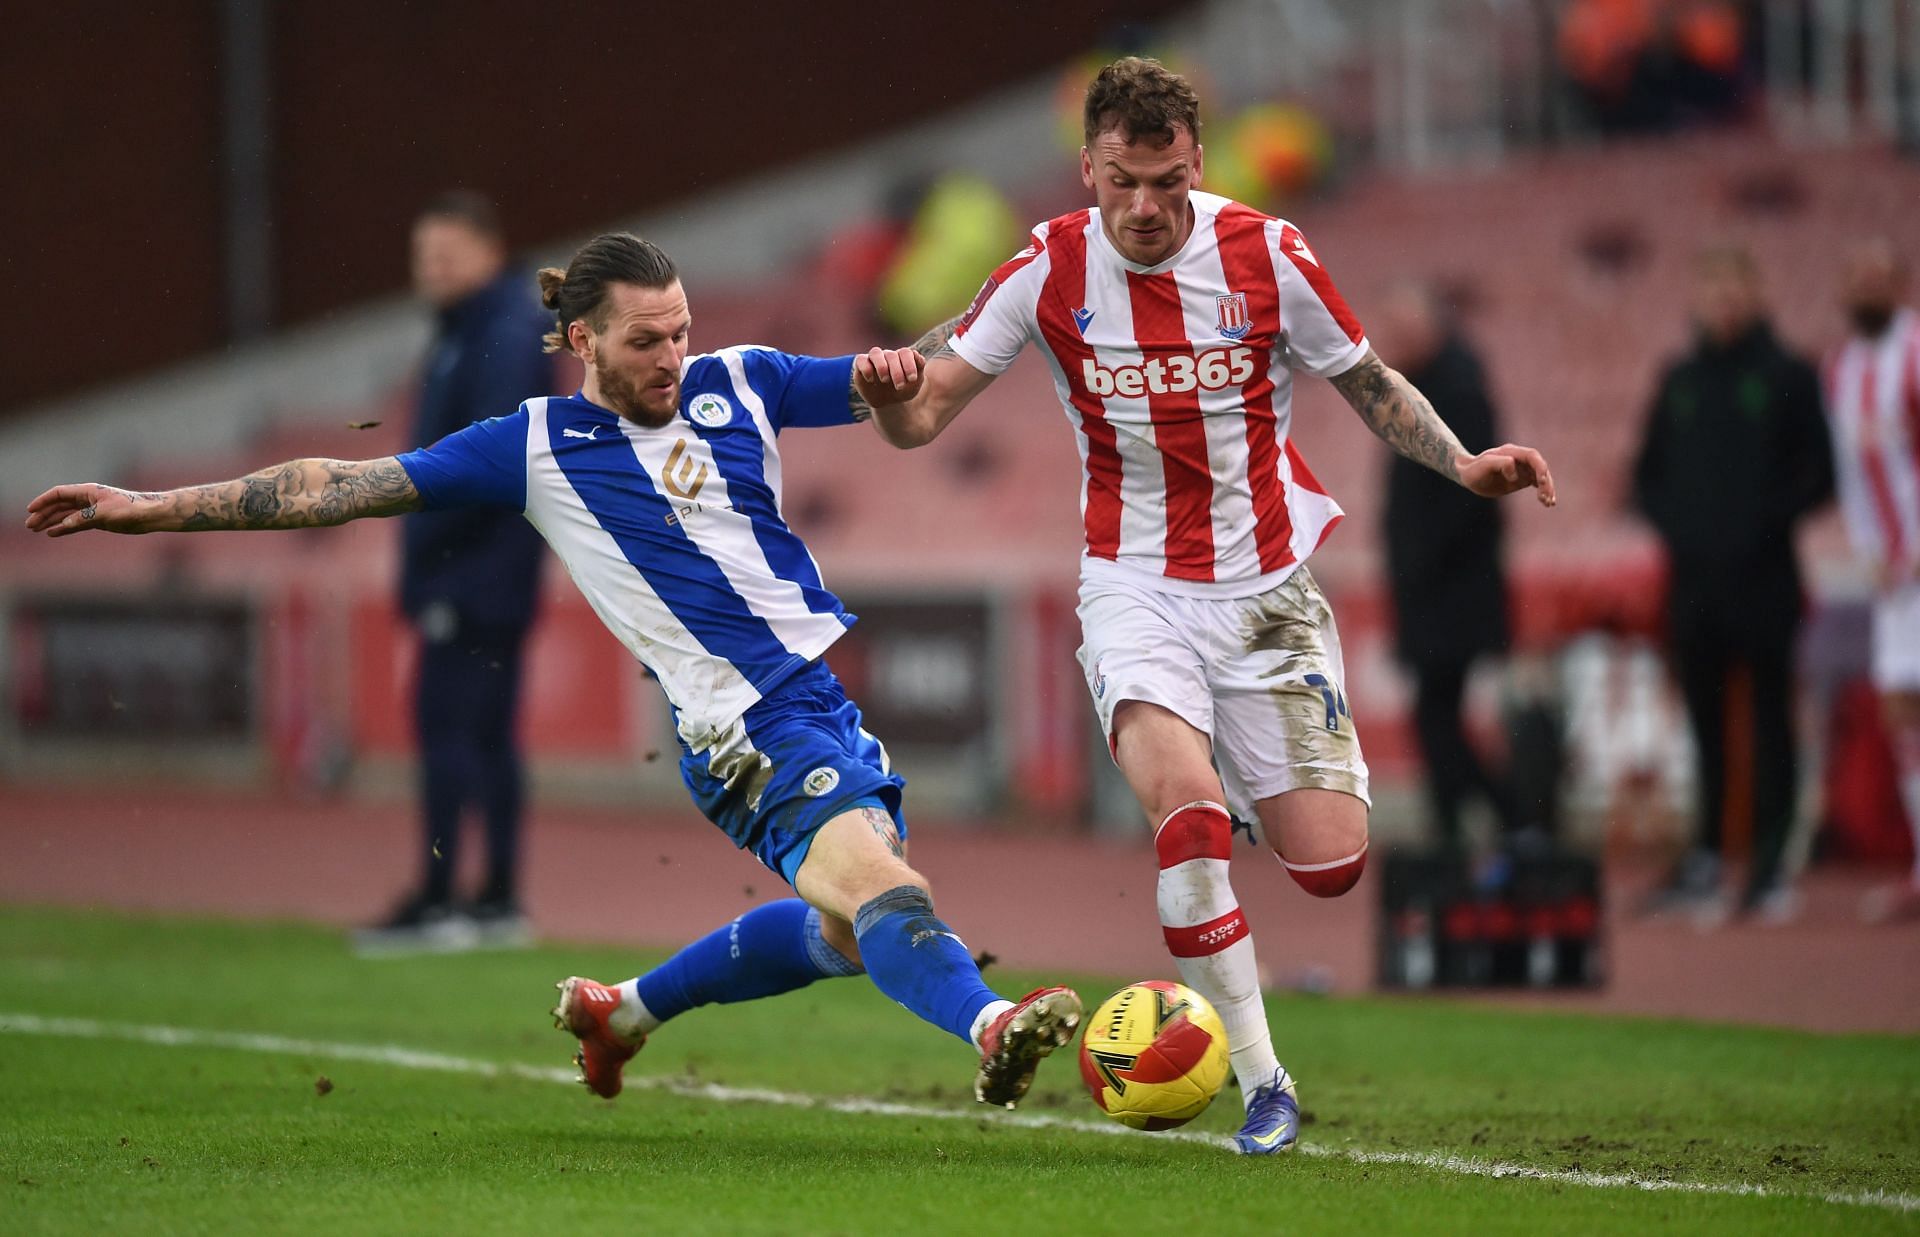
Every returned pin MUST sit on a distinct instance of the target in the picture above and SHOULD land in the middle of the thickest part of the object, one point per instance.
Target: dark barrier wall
(571, 113)
(110, 217)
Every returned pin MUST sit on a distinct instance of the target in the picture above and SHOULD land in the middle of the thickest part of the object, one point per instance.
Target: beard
(624, 395)
(1870, 320)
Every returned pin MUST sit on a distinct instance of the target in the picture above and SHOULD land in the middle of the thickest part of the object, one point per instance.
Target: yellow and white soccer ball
(1154, 1055)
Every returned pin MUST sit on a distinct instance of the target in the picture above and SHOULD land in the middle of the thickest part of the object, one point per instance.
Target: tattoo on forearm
(1400, 416)
(862, 410)
(939, 341)
(299, 494)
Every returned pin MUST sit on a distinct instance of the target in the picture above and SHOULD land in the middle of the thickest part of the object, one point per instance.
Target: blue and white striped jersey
(674, 534)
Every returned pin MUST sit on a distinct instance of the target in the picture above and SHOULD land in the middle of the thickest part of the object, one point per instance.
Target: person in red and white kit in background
(1173, 320)
(1873, 406)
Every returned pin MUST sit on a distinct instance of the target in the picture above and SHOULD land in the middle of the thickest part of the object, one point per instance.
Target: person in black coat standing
(1735, 455)
(469, 579)
(1443, 558)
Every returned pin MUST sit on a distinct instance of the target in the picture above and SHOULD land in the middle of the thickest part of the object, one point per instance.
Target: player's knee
(1331, 879)
(1332, 865)
(896, 877)
(838, 933)
(1200, 830)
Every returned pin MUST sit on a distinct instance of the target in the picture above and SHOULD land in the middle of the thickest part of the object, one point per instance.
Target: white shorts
(1896, 640)
(1261, 676)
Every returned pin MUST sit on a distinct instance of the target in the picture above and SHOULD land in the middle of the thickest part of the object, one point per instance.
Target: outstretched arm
(298, 494)
(936, 389)
(1401, 417)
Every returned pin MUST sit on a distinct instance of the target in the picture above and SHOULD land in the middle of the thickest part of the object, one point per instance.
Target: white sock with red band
(1208, 936)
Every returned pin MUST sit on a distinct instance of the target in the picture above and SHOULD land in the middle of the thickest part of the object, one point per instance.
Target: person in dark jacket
(1735, 455)
(1443, 558)
(469, 579)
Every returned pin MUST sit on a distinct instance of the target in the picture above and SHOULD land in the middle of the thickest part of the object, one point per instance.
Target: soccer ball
(1154, 1055)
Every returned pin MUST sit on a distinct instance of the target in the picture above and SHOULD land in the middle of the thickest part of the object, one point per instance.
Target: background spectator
(469, 579)
(1735, 454)
(1443, 557)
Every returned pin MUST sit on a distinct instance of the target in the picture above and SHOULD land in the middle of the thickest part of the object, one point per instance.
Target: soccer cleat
(582, 1012)
(1273, 1120)
(1013, 1043)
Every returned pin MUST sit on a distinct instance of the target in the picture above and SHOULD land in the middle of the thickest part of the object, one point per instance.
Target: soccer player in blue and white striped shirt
(658, 485)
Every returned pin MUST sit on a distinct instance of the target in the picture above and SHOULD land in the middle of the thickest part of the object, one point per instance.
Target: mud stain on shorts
(1290, 622)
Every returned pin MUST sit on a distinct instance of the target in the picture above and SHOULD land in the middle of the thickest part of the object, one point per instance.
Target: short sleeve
(990, 335)
(1323, 335)
(483, 465)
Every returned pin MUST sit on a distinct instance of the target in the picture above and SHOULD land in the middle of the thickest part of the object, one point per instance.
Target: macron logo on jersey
(1082, 317)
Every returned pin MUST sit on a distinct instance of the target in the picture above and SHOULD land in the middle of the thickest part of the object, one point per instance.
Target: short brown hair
(468, 207)
(580, 291)
(1141, 98)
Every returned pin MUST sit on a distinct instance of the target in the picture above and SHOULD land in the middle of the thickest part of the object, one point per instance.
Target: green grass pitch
(112, 1134)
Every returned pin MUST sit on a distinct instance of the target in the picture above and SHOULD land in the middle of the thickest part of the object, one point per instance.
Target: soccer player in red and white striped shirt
(1173, 321)
(1873, 404)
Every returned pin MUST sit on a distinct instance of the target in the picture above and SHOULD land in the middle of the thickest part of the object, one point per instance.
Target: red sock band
(1196, 831)
(1329, 880)
(1205, 939)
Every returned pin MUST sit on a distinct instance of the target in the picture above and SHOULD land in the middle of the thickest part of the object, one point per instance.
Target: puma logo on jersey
(1213, 370)
(577, 434)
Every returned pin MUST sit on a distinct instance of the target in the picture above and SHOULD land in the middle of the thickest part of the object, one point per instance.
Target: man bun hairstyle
(1141, 98)
(580, 291)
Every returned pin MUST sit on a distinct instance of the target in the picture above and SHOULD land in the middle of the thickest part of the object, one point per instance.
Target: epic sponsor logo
(1213, 370)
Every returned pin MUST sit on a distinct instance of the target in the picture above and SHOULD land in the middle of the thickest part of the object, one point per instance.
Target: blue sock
(918, 961)
(769, 950)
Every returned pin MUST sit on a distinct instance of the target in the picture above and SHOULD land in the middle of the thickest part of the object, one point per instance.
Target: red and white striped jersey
(1178, 381)
(1873, 406)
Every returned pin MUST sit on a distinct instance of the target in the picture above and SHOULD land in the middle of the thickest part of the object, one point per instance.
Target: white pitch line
(412, 1058)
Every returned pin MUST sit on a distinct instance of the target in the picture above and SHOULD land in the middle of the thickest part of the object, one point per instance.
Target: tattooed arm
(1401, 417)
(938, 388)
(299, 494)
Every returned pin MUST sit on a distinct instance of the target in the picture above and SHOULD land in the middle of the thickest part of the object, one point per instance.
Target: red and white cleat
(1013, 1043)
(604, 1052)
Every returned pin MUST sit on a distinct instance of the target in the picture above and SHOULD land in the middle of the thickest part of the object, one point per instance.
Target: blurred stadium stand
(1464, 158)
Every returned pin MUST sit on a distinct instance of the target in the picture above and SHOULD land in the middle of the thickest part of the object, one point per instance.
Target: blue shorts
(793, 762)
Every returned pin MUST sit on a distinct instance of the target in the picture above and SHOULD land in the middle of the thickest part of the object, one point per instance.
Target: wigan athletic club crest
(712, 411)
(1234, 323)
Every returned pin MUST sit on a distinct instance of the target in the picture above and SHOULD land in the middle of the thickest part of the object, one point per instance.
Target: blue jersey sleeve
(483, 465)
(806, 391)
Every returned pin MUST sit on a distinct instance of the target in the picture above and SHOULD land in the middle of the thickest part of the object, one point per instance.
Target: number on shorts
(1336, 702)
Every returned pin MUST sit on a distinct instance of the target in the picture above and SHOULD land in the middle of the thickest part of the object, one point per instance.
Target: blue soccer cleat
(1273, 1119)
